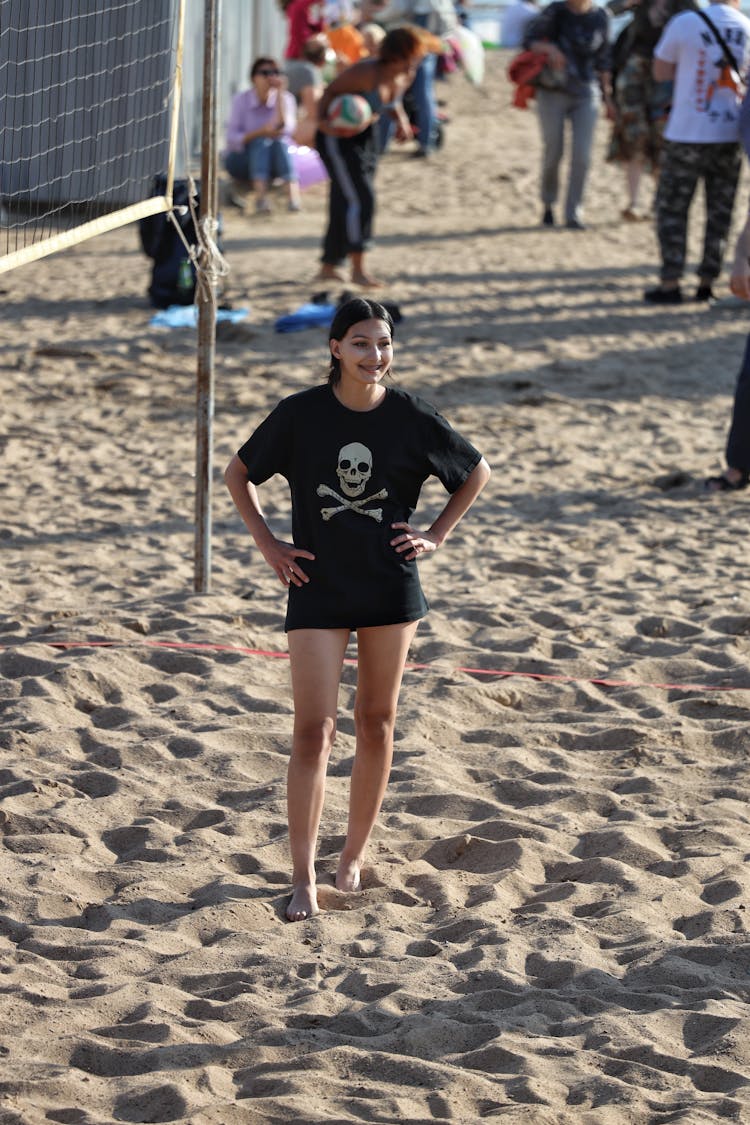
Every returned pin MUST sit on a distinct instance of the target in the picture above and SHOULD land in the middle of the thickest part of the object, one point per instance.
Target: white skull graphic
(354, 468)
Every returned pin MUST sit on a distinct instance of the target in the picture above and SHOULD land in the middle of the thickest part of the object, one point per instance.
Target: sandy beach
(553, 925)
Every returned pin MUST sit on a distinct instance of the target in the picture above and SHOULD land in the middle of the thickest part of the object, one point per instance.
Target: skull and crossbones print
(354, 470)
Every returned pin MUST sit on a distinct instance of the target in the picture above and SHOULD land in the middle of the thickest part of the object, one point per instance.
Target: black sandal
(723, 484)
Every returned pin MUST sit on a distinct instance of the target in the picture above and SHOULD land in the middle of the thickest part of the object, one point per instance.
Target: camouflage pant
(718, 165)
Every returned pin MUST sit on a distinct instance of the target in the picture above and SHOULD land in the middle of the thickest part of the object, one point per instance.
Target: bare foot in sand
(347, 876)
(303, 903)
(330, 273)
(365, 281)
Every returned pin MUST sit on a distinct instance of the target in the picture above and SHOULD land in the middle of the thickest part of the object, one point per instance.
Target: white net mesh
(90, 92)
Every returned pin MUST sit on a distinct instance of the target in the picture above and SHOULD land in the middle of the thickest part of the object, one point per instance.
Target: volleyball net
(90, 105)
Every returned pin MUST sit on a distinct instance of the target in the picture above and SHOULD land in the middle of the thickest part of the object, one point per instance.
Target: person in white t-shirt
(701, 138)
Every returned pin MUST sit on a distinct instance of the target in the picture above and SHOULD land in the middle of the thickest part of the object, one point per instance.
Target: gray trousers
(555, 107)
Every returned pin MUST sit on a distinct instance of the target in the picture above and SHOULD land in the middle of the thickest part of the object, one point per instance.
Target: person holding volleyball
(356, 453)
(351, 156)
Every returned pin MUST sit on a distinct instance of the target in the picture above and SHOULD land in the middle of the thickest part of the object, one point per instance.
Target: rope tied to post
(207, 259)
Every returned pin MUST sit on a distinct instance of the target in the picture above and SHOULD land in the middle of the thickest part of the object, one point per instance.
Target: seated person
(305, 81)
(261, 122)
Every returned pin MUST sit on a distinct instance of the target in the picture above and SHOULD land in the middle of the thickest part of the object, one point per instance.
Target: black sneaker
(661, 296)
(704, 293)
(548, 219)
(575, 224)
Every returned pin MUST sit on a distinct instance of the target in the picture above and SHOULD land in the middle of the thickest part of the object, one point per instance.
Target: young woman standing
(355, 453)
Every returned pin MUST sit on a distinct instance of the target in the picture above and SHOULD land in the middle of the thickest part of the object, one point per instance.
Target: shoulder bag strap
(721, 41)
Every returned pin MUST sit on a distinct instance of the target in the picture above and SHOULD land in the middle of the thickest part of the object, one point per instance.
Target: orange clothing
(347, 42)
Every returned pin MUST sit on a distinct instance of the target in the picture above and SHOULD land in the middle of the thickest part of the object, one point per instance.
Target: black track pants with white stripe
(350, 163)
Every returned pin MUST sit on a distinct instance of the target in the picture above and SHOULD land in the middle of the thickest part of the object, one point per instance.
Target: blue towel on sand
(186, 316)
(306, 316)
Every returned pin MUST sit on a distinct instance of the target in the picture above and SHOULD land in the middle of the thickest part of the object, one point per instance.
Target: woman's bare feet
(303, 903)
(330, 273)
(365, 280)
(347, 876)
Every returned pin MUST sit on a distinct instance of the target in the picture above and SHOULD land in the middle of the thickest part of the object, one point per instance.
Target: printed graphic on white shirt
(707, 87)
(721, 95)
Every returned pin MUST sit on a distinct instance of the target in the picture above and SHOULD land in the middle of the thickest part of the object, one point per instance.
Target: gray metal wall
(82, 104)
(83, 122)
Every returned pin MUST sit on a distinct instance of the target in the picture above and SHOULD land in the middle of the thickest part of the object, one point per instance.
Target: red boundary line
(206, 646)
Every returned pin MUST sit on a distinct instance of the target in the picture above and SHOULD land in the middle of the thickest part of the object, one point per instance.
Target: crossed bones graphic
(352, 505)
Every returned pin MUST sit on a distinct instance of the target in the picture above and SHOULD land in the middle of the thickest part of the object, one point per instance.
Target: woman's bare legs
(381, 655)
(260, 187)
(295, 198)
(633, 175)
(316, 657)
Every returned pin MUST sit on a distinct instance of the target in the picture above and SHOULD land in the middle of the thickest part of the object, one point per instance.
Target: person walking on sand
(705, 53)
(355, 453)
(641, 103)
(574, 35)
(351, 159)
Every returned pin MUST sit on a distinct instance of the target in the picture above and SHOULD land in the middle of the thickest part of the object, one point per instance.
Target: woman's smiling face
(365, 352)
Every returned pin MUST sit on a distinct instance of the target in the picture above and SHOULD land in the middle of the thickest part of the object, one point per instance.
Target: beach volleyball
(349, 113)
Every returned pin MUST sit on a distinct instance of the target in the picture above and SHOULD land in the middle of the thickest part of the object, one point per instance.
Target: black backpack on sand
(173, 274)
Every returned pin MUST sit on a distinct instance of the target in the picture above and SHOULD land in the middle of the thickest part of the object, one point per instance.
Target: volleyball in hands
(349, 114)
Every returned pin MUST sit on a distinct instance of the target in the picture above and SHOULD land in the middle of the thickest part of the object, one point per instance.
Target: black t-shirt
(583, 37)
(352, 474)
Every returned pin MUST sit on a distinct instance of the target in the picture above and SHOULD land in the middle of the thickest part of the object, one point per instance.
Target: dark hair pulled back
(346, 316)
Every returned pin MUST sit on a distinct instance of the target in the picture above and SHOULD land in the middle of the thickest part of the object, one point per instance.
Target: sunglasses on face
(268, 73)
